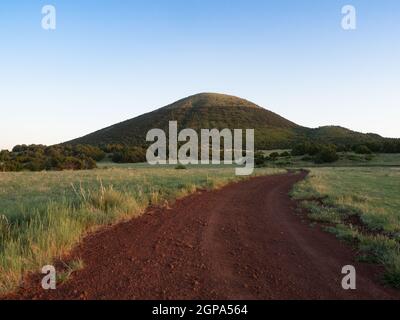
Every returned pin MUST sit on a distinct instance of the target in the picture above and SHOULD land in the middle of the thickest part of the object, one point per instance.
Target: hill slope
(211, 110)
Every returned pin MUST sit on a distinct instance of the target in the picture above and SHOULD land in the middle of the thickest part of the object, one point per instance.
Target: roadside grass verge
(44, 215)
(69, 269)
(360, 206)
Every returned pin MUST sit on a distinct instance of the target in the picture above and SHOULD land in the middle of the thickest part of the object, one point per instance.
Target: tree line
(85, 157)
(327, 153)
(312, 148)
(66, 157)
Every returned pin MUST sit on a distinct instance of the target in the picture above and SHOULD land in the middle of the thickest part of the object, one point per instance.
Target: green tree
(326, 155)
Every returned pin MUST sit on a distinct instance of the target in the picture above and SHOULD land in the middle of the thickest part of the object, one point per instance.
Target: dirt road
(241, 242)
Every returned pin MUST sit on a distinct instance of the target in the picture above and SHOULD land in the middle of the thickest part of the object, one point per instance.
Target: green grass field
(44, 214)
(360, 205)
(350, 159)
(346, 159)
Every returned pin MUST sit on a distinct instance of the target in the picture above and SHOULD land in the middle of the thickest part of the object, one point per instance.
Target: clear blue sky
(108, 61)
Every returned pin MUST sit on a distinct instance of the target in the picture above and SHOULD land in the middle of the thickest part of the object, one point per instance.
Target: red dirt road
(241, 242)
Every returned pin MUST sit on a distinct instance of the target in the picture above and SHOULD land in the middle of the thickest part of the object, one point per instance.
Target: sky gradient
(109, 61)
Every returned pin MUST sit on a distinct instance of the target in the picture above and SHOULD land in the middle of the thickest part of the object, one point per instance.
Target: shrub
(71, 163)
(327, 155)
(40, 157)
(274, 155)
(19, 148)
(112, 148)
(306, 148)
(259, 158)
(130, 155)
(180, 167)
(362, 149)
(88, 151)
(89, 163)
(4, 155)
(299, 150)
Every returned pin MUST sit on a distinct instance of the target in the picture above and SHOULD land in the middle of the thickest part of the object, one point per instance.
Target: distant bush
(89, 151)
(304, 148)
(274, 155)
(343, 148)
(130, 155)
(320, 153)
(326, 155)
(4, 155)
(387, 146)
(259, 158)
(112, 148)
(40, 157)
(362, 150)
(180, 167)
(20, 148)
(391, 146)
(71, 163)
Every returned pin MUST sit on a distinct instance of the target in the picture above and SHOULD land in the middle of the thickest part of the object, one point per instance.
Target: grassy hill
(340, 135)
(211, 110)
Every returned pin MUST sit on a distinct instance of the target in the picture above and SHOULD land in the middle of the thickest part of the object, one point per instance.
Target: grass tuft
(70, 268)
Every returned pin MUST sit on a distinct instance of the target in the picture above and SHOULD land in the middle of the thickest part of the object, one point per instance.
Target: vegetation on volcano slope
(211, 110)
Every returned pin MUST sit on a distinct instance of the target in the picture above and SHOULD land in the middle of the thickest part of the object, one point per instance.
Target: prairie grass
(44, 214)
(335, 195)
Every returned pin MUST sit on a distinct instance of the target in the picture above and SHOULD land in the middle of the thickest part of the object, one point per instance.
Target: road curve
(243, 241)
